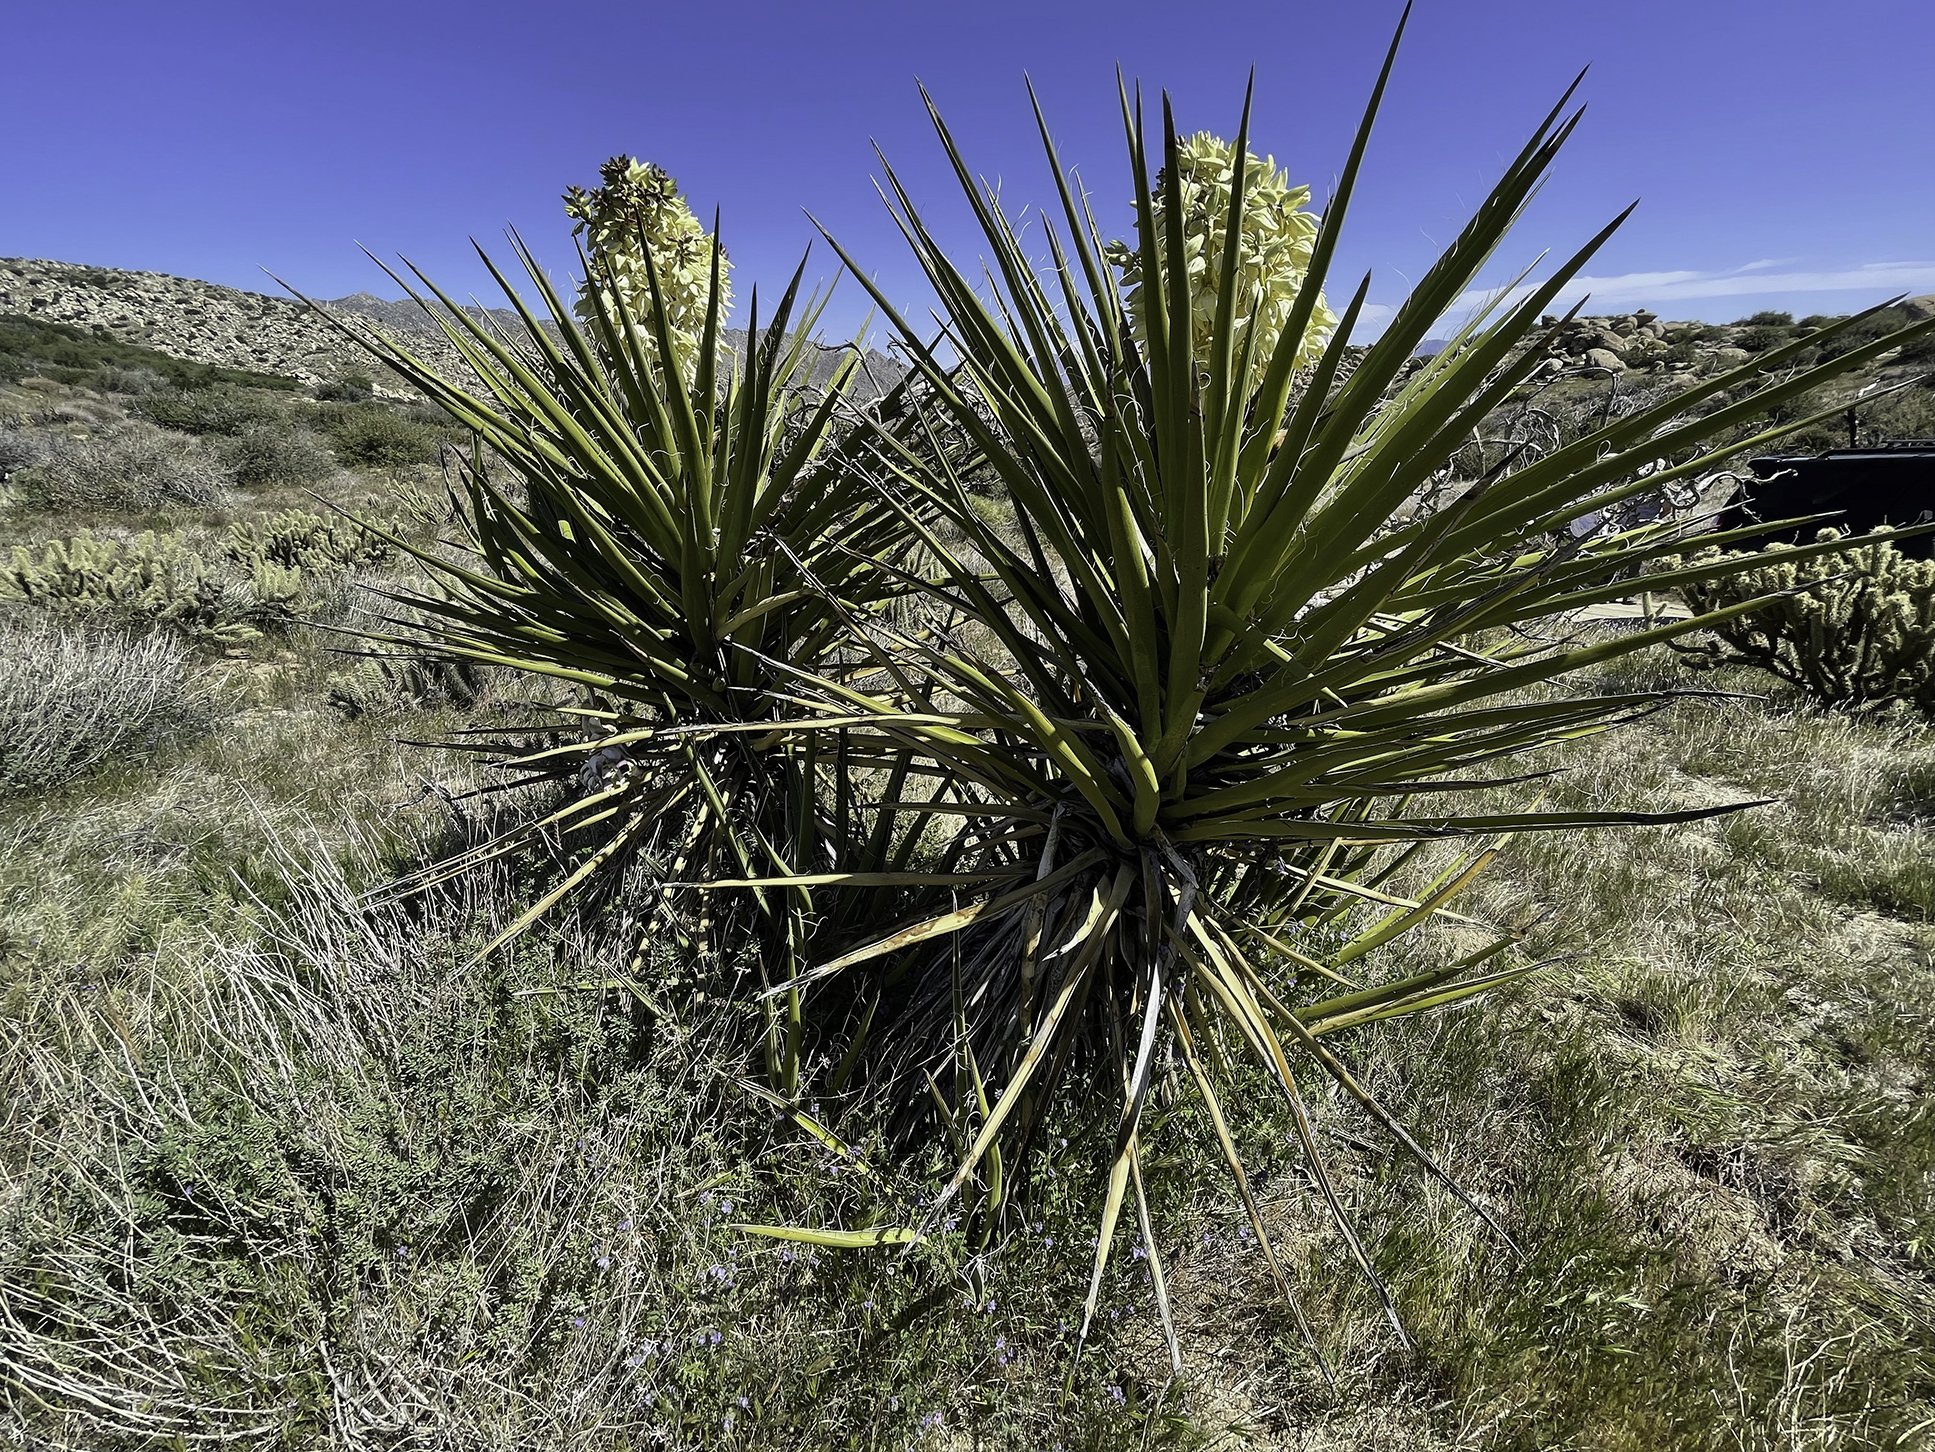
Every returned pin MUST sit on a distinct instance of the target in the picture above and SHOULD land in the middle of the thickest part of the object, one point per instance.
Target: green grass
(283, 1169)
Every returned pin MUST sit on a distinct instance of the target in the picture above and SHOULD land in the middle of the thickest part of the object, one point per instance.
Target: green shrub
(128, 467)
(71, 355)
(221, 408)
(154, 581)
(347, 388)
(1875, 325)
(73, 700)
(1762, 336)
(277, 452)
(377, 437)
(1766, 320)
(1858, 632)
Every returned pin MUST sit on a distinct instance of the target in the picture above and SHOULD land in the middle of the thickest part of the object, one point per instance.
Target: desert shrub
(1919, 352)
(75, 356)
(1857, 632)
(152, 581)
(1862, 330)
(280, 451)
(347, 388)
(221, 408)
(130, 466)
(1760, 337)
(74, 699)
(374, 436)
(1908, 413)
(298, 540)
(20, 448)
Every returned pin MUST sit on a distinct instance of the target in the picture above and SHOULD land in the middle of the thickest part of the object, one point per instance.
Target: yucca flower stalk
(1276, 233)
(1209, 683)
(636, 221)
(670, 553)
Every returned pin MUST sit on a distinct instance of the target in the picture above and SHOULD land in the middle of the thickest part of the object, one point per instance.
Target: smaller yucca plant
(668, 530)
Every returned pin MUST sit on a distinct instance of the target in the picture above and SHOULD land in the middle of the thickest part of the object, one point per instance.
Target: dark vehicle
(1888, 483)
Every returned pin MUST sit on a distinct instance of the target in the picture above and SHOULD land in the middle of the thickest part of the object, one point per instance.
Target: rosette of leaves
(674, 556)
(1854, 629)
(1275, 235)
(1211, 689)
(637, 214)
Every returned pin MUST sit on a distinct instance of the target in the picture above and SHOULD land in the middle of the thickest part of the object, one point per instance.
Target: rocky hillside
(198, 321)
(207, 323)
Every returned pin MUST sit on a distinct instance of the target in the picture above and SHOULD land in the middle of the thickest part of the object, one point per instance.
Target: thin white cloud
(1765, 262)
(1654, 289)
(1371, 320)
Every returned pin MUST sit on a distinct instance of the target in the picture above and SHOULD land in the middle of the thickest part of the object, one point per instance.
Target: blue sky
(1783, 151)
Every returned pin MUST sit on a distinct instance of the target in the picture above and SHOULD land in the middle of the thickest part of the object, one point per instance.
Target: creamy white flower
(1278, 234)
(638, 207)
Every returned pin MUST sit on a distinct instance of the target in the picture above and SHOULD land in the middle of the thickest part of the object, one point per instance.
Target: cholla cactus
(638, 207)
(1860, 632)
(1278, 233)
(298, 540)
(156, 581)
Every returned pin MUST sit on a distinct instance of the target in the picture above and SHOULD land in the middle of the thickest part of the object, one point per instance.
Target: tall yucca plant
(1222, 682)
(670, 531)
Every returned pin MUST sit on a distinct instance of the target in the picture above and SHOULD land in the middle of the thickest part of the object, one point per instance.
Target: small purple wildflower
(579, 1322)
(1120, 1397)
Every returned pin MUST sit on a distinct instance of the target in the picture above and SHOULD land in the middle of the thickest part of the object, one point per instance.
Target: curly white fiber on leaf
(1278, 233)
(637, 207)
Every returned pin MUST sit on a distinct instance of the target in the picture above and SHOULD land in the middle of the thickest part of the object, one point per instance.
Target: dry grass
(281, 1170)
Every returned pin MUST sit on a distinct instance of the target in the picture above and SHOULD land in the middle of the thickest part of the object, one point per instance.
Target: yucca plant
(1212, 683)
(668, 530)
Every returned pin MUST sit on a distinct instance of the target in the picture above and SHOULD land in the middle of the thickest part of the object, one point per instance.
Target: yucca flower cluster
(636, 210)
(1278, 234)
